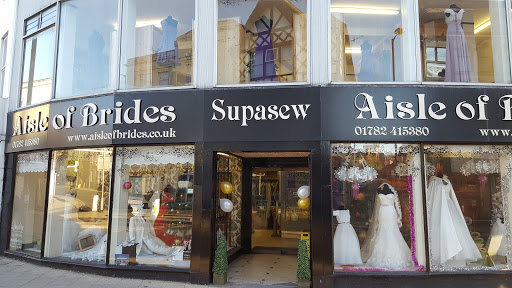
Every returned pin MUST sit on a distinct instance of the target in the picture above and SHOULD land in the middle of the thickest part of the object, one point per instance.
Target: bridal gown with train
(387, 246)
(449, 234)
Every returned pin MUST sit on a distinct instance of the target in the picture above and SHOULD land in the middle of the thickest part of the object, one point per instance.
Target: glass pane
(467, 207)
(376, 196)
(87, 61)
(372, 41)
(152, 220)
(262, 41)
(38, 68)
(157, 39)
(474, 34)
(78, 205)
(28, 203)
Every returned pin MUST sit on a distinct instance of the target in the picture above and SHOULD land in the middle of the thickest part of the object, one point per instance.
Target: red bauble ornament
(127, 185)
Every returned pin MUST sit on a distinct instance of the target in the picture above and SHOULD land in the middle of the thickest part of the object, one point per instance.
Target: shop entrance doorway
(277, 221)
(264, 228)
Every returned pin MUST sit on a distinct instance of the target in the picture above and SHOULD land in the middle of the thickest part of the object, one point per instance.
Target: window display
(157, 43)
(464, 41)
(467, 207)
(78, 205)
(28, 203)
(152, 220)
(372, 41)
(376, 192)
(261, 41)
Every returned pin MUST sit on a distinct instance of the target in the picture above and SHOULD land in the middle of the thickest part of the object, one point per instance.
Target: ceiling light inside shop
(364, 10)
(483, 26)
(353, 50)
(95, 150)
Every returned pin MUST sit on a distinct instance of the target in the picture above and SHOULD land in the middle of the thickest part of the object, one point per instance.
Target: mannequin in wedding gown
(142, 233)
(346, 243)
(386, 247)
(449, 234)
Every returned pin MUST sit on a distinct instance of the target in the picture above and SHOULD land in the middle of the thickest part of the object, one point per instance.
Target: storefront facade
(115, 155)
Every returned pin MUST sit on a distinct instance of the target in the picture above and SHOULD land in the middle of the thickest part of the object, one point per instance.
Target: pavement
(15, 273)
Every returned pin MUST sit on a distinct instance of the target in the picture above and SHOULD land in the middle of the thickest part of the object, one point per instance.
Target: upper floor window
(261, 41)
(464, 42)
(88, 34)
(3, 58)
(157, 44)
(372, 41)
(39, 50)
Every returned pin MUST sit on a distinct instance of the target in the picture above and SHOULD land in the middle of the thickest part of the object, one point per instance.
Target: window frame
(26, 36)
(3, 62)
(214, 69)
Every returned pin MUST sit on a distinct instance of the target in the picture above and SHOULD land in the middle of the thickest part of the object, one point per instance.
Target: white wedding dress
(142, 232)
(346, 243)
(386, 247)
(449, 234)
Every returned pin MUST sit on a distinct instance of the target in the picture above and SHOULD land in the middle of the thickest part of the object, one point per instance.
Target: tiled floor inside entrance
(268, 269)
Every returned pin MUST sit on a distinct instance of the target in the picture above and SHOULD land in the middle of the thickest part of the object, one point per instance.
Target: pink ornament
(127, 185)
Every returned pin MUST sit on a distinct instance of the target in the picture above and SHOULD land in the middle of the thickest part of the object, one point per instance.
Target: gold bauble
(226, 187)
(303, 203)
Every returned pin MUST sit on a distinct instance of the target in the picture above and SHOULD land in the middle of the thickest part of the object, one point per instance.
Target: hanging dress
(449, 234)
(346, 243)
(457, 59)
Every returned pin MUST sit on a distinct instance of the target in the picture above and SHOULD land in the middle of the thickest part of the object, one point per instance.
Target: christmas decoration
(127, 185)
(303, 270)
(220, 263)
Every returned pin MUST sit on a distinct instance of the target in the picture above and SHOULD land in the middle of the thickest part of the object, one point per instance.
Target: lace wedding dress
(386, 247)
(346, 243)
(449, 234)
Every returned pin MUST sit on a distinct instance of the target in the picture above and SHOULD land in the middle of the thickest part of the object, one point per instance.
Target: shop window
(157, 43)
(152, 220)
(78, 205)
(38, 59)
(472, 38)
(28, 203)
(87, 61)
(261, 41)
(377, 205)
(372, 41)
(467, 207)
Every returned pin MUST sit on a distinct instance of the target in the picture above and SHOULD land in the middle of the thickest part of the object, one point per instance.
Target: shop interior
(263, 242)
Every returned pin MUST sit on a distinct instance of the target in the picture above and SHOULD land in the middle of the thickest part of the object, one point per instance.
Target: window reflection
(262, 41)
(157, 43)
(372, 41)
(87, 61)
(78, 204)
(38, 68)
